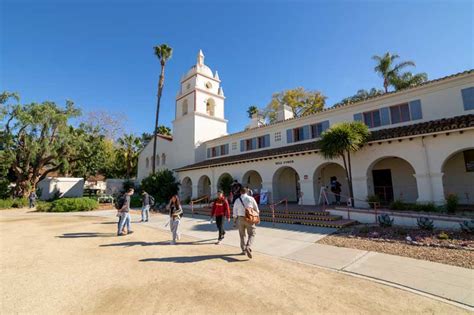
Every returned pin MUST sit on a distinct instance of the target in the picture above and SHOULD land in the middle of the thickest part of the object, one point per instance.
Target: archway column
(438, 188)
(360, 189)
(195, 191)
(307, 188)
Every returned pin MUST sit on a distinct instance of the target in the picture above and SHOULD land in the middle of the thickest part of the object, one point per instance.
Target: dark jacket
(146, 199)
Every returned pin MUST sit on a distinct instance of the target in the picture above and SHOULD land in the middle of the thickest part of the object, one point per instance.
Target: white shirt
(248, 202)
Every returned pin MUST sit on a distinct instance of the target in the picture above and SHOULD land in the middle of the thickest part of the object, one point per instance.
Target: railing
(207, 198)
(273, 205)
(350, 203)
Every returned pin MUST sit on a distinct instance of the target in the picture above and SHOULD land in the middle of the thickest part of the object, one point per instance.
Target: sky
(100, 53)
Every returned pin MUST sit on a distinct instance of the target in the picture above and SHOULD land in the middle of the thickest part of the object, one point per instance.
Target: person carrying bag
(246, 215)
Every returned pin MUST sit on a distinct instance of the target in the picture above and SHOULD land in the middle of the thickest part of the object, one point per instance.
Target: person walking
(176, 213)
(245, 201)
(147, 202)
(220, 209)
(125, 213)
(336, 189)
(32, 199)
(235, 189)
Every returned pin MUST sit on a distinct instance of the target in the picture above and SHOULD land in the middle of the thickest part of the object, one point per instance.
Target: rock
(408, 238)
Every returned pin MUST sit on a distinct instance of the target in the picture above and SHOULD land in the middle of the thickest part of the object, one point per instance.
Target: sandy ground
(63, 264)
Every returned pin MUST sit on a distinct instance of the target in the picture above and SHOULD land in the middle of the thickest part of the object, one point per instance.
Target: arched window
(157, 160)
(184, 108)
(210, 107)
(147, 162)
(163, 159)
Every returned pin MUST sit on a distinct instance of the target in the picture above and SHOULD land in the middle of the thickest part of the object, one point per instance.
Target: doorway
(383, 186)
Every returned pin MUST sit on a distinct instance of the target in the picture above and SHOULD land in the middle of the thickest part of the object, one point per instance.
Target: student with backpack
(220, 208)
(124, 210)
(176, 213)
(147, 202)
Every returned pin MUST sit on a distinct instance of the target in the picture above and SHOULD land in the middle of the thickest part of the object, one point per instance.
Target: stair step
(303, 212)
(329, 224)
(304, 217)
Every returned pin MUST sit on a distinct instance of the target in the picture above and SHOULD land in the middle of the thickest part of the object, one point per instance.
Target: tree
(163, 53)
(252, 111)
(387, 68)
(408, 79)
(129, 148)
(340, 141)
(161, 185)
(225, 184)
(163, 130)
(301, 102)
(111, 125)
(361, 95)
(38, 141)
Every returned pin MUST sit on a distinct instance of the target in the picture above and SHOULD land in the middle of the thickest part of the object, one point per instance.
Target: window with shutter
(468, 98)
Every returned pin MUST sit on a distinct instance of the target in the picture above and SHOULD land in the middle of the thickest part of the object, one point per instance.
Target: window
(316, 130)
(263, 141)
(248, 144)
(277, 136)
(208, 85)
(218, 150)
(213, 152)
(400, 113)
(468, 98)
(188, 86)
(147, 162)
(184, 108)
(372, 119)
(224, 149)
(255, 143)
(234, 146)
(469, 160)
(163, 159)
(298, 134)
(210, 107)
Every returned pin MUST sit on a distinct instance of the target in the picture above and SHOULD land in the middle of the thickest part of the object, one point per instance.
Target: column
(307, 189)
(423, 184)
(359, 187)
(438, 188)
(195, 191)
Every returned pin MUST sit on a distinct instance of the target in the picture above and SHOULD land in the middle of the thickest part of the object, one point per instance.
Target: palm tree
(163, 52)
(129, 146)
(387, 69)
(340, 141)
(252, 111)
(408, 79)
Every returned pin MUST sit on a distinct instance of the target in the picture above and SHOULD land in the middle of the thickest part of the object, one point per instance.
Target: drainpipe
(427, 167)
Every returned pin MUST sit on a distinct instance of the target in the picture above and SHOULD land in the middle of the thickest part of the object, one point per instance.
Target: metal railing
(273, 205)
(206, 197)
(350, 204)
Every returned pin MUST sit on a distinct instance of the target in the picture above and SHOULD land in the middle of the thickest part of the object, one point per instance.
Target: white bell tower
(199, 111)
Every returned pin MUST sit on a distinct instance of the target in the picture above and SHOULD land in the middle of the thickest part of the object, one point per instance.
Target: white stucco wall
(68, 187)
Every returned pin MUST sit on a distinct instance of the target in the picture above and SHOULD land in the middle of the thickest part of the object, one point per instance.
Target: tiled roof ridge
(432, 126)
(351, 104)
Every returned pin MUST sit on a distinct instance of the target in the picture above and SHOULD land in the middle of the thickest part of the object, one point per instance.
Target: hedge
(68, 205)
(13, 203)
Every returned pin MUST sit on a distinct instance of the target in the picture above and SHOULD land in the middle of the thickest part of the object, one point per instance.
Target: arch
(184, 108)
(147, 162)
(210, 107)
(224, 182)
(186, 189)
(163, 159)
(458, 175)
(322, 178)
(392, 178)
(204, 186)
(253, 180)
(286, 184)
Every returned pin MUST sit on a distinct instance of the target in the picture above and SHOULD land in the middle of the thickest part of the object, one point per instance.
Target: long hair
(176, 201)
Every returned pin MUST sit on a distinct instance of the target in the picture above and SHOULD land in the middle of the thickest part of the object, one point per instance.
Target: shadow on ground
(85, 235)
(131, 244)
(192, 259)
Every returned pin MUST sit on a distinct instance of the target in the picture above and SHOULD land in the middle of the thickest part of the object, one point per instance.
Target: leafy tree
(225, 184)
(163, 53)
(301, 102)
(129, 149)
(111, 125)
(163, 130)
(252, 111)
(340, 141)
(161, 185)
(361, 95)
(387, 68)
(408, 79)
(38, 141)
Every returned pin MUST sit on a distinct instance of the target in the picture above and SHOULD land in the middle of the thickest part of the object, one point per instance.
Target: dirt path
(71, 264)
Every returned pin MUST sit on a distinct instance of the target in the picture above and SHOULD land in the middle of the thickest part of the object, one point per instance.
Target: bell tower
(199, 111)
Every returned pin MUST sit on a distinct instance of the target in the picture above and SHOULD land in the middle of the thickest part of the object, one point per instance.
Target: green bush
(68, 205)
(4, 188)
(425, 223)
(385, 220)
(161, 185)
(397, 205)
(467, 226)
(426, 207)
(135, 201)
(371, 199)
(452, 202)
(225, 184)
(13, 203)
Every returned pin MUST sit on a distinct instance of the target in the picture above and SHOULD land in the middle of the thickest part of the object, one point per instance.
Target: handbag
(251, 215)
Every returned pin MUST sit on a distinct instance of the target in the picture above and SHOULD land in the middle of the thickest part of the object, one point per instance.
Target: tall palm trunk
(155, 133)
(349, 179)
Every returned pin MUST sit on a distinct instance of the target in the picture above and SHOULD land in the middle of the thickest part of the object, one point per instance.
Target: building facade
(421, 147)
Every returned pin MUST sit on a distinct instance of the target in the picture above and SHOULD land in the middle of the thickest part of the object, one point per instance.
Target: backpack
(119, 202)
(151, 200)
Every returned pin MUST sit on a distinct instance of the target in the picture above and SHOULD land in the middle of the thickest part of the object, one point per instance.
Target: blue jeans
(124, 220)
(145, 212)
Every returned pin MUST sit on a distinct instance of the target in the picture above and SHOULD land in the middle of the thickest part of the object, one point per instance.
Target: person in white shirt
(245, 201)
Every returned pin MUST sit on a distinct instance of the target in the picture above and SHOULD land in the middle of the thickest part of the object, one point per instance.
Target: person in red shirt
(220, 208)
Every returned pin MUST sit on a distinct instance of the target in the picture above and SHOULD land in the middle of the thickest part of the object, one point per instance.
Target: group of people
(242, 201)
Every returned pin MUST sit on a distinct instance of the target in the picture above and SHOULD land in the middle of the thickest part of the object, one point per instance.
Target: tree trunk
(349, 178)
(385, 84)
(155, 132)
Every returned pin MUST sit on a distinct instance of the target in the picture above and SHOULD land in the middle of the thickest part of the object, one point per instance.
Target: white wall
(68, 187)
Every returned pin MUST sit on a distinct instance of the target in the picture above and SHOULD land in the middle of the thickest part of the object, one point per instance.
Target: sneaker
(130, 232)
(243, 252)
(248, 251)
(120, 234)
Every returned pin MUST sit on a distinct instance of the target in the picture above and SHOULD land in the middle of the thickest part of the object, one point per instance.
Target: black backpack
(119, 202)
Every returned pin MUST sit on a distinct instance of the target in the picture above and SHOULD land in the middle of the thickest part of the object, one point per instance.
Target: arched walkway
(322, 178)
(186, 189)
(458, 176)
(204, 186)
(224, 183)
(392, 178)
(253, 180)
(286, 184)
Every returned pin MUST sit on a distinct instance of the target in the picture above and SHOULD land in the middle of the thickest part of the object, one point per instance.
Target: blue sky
(99, 53)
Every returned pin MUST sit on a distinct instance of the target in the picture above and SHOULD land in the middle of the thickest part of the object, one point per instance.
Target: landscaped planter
(404, 218)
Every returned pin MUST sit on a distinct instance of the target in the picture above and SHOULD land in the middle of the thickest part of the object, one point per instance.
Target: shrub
(452, 202)
(135, 201)
(161, 185)
(385, 220)
(187, 201)
(425, 207)
(71, 204)
(397, 205)
(225, 184)
(467, 226)
(443, 236)
(4, 188)
(425, 223)
(13, 203)
(43, 206)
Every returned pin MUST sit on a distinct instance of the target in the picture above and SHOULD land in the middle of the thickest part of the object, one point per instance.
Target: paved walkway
(297, 242)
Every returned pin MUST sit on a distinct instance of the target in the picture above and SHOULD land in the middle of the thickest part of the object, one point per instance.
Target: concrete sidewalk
(297, 242)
